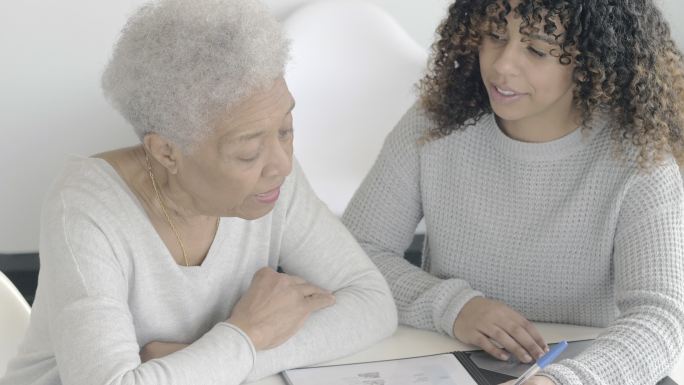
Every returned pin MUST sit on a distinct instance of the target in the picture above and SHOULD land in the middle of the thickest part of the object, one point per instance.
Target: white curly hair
(180, 64)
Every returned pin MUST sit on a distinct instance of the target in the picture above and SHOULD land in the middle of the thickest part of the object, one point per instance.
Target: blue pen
(542, 362)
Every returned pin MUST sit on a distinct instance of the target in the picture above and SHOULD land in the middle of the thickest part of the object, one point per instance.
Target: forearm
(423, 300)
(639, 348)
(383, 215)
(95, 344)
(363, 314)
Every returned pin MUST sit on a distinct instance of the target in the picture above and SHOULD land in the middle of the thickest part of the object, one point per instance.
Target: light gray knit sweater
(560, 231)
(108, 286)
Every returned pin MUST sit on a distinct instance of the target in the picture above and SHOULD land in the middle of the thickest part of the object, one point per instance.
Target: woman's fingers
(275, 306)
(314, 297)
(319, 301)
(510, 343)
(525, 334)
(484, 342)
(536, 335)
(482, 318)
(307, 289)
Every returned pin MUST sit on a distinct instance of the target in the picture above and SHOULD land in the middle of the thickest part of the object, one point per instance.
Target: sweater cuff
(561, 375)
(448, 317)
(550, 377)
(245, 338)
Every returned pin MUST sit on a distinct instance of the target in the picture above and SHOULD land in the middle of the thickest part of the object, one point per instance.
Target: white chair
(352, 74)
(14, 319)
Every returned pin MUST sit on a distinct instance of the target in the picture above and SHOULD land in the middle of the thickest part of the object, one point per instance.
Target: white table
(410, 342)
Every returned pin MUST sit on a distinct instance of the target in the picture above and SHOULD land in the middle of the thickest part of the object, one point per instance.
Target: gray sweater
(561, 231)
(108, 286)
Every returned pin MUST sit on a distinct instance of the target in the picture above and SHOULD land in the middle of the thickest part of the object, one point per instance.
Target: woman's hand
(536, 380)
(275, 307)
(483, 321)
(156, 349)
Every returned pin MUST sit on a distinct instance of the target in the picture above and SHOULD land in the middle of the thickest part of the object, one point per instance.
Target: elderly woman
(158, 261)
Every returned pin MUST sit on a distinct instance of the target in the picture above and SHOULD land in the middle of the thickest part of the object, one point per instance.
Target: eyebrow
(544, 38)
(247, 137)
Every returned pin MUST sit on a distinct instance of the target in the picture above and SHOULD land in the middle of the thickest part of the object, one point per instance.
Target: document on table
(440, 369)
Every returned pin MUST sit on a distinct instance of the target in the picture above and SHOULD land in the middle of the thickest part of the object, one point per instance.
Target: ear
(163, 151)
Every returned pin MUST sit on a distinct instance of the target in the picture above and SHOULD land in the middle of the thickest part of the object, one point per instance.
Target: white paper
(442, 369)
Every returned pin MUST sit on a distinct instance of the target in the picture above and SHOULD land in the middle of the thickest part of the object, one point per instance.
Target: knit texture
(562, 232)
(109, 286)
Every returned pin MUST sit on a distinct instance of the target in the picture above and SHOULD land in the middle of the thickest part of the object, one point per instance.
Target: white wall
(674, 11)
(51, 56)
(418, 17)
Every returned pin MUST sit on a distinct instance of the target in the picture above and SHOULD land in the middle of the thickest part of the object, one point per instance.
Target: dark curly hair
(626, 64)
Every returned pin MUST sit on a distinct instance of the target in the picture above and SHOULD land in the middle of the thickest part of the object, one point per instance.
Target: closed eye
(250, 159)
(496, 37)
(536, 52)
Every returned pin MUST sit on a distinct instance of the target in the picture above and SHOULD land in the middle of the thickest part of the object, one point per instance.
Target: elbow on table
(387, 313)
(369, 304)
(392, 323)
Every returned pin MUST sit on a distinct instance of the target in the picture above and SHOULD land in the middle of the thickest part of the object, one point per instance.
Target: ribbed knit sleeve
(317, 247)
(642, 344)
(383, 215)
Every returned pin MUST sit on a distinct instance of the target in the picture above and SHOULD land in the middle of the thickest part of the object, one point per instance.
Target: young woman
(543, 157)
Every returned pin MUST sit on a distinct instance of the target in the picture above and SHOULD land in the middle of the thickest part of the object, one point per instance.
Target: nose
(279, 162)
(507, 62)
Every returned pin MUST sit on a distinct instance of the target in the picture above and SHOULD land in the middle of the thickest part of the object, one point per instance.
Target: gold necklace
(166, 214)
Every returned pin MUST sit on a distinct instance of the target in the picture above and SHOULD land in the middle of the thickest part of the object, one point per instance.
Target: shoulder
(650, 191)
(85, 226)
(660, 182)
(78, 176)
(414, 127)
(409, 133)
(402, 146)
(624, 158)
(86, 187)
(415, 123)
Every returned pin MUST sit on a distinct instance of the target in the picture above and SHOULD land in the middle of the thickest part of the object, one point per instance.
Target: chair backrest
(14, 319)
(352, 73)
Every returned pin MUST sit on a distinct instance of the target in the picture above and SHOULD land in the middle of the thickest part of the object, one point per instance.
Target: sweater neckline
(145, 221)
(546, 151)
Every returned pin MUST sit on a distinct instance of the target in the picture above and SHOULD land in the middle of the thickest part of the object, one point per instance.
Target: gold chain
(166, 214)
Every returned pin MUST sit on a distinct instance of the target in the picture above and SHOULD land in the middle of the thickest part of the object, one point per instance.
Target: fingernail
(504, 356)
(527, 358)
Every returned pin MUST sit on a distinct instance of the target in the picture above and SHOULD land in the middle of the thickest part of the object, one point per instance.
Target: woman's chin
(254, 213)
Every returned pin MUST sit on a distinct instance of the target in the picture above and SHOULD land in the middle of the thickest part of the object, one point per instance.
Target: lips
(268, 196)
(505, 92)
(503, 95)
